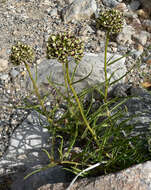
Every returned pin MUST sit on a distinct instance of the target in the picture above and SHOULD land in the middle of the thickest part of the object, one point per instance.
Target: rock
(52, 12)
(139, 105)
(4, 77)
(3, 65)
(147, 25)
(53, 175)
(78, 10)
(14, 73)
(141, 37)
(26, 143)
(90, 62)
(147, 5)
(134, 5)
(110, 3)
(136, 177)
(121, 7)
(126, 35)
(68, 1)
(142, 13)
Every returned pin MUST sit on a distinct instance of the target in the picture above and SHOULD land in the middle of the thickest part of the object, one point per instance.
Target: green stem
(105, 69)
(37, 92)
(79, 105)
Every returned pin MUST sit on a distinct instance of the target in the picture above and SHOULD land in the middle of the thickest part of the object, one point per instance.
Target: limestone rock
(78, 10)
(90, 62)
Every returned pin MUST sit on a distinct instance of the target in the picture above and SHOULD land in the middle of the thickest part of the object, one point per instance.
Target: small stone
(147, 25)
(125, 36)
(3, 65)
(53, 13)
(134, 5)
(79, 10)
(4, 77)
(14, 73)
(121, 7)
(140, 48)
(142, 13)
(141, 37)
(110, 3)
(146, 5)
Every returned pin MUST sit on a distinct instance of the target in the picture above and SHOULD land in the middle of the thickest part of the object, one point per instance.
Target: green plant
(88, 136)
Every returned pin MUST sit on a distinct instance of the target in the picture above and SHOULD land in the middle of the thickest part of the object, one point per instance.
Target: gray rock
(90, 62)
(51, 175)
(134, 5)
(147, 25)
(137, 178)
(14, 73)
(126, 35)
(110, 3)
(147, 5)
(26, 143)
(78, 10)
(4, 77)
(141, 37)
(139, 105)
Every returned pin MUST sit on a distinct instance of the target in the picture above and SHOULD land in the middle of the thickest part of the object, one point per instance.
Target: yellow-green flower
(61, 46)
(111, 20)
(21, 53)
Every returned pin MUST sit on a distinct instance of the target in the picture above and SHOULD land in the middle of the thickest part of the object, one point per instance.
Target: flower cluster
(21, 53)
(61, 46)
(111, 20)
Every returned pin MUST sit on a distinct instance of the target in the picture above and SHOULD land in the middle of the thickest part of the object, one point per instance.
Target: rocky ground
(33, 21)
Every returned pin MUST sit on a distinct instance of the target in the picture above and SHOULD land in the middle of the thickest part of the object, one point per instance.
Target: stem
(105, 69)
(79, 105)
(37, 92)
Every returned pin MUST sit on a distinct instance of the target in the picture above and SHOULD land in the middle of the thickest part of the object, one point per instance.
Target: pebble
(121, 7)
(3, 65)
(147, 25)
(4, 77)
(134, 5)
(14, 73)
(110, 3)
(142, 13)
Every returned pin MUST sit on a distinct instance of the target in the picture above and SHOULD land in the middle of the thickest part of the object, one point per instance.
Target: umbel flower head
(111, 20)
(61, 46)
(21, 53)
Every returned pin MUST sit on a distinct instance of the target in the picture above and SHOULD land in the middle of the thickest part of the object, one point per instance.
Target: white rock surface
(78, 10)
